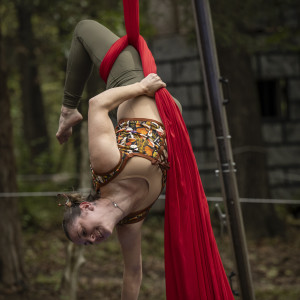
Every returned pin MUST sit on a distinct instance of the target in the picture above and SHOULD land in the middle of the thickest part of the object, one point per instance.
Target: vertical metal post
(226, 165)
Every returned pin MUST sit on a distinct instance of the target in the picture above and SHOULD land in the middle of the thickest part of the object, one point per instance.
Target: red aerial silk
(193, 267)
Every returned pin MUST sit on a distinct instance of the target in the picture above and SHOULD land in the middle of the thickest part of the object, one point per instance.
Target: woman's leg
(89, 45)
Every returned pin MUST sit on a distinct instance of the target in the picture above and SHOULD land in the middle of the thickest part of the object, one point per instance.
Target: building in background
(278, 82)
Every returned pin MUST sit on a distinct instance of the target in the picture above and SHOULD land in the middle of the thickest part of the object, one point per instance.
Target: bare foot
(68, 118)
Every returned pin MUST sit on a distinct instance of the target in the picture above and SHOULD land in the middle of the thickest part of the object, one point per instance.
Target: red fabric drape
(193, 266)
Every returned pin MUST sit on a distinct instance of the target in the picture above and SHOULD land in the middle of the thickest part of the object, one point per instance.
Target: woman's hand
(151, 84)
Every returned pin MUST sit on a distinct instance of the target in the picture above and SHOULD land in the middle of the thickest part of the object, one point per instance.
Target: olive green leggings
(90, 43)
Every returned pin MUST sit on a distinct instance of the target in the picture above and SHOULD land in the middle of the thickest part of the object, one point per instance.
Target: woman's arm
(108, 100)
(112, 98)
(130, 240)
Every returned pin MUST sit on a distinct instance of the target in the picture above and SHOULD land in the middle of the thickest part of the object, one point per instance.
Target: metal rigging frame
(215, 98)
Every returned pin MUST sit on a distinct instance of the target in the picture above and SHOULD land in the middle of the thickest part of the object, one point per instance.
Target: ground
(274, 264)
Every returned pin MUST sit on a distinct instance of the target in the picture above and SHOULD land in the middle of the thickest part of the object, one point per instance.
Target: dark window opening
(273, 98)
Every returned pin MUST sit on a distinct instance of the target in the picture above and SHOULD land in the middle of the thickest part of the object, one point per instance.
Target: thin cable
(162, 197)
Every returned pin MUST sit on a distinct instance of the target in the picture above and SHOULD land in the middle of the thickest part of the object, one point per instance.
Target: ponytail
(72, 209)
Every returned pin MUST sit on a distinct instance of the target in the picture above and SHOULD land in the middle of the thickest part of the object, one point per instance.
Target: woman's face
(87, 228)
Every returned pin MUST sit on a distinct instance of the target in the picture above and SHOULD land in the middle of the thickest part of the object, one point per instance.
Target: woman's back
(139, 107)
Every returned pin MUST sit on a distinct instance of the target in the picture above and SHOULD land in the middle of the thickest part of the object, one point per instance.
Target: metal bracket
(222, 217)
(223, 137)
(225, 83)
(226, 168)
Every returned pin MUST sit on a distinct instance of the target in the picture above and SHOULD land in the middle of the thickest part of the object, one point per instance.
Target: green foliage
(252, 25)
(257, 25)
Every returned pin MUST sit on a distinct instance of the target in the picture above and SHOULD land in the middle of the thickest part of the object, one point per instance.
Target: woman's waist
(140, 107)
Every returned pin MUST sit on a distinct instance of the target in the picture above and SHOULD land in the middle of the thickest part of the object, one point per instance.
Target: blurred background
(258, 45)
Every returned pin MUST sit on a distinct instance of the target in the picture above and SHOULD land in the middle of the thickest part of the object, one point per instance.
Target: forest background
(35, 37)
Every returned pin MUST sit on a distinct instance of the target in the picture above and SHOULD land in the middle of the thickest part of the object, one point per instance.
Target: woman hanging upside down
(129, 163)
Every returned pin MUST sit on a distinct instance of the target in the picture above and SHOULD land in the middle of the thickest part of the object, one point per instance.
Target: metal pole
(226, 165)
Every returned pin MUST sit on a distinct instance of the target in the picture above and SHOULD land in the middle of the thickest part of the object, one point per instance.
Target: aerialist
(129, 163)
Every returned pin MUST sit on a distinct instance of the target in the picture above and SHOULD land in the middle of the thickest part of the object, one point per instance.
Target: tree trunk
(12, 277)
(245, 125)
(74, 261)
(34, 125)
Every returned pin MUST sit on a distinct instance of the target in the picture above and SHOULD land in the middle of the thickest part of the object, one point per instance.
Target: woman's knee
(84, 26)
